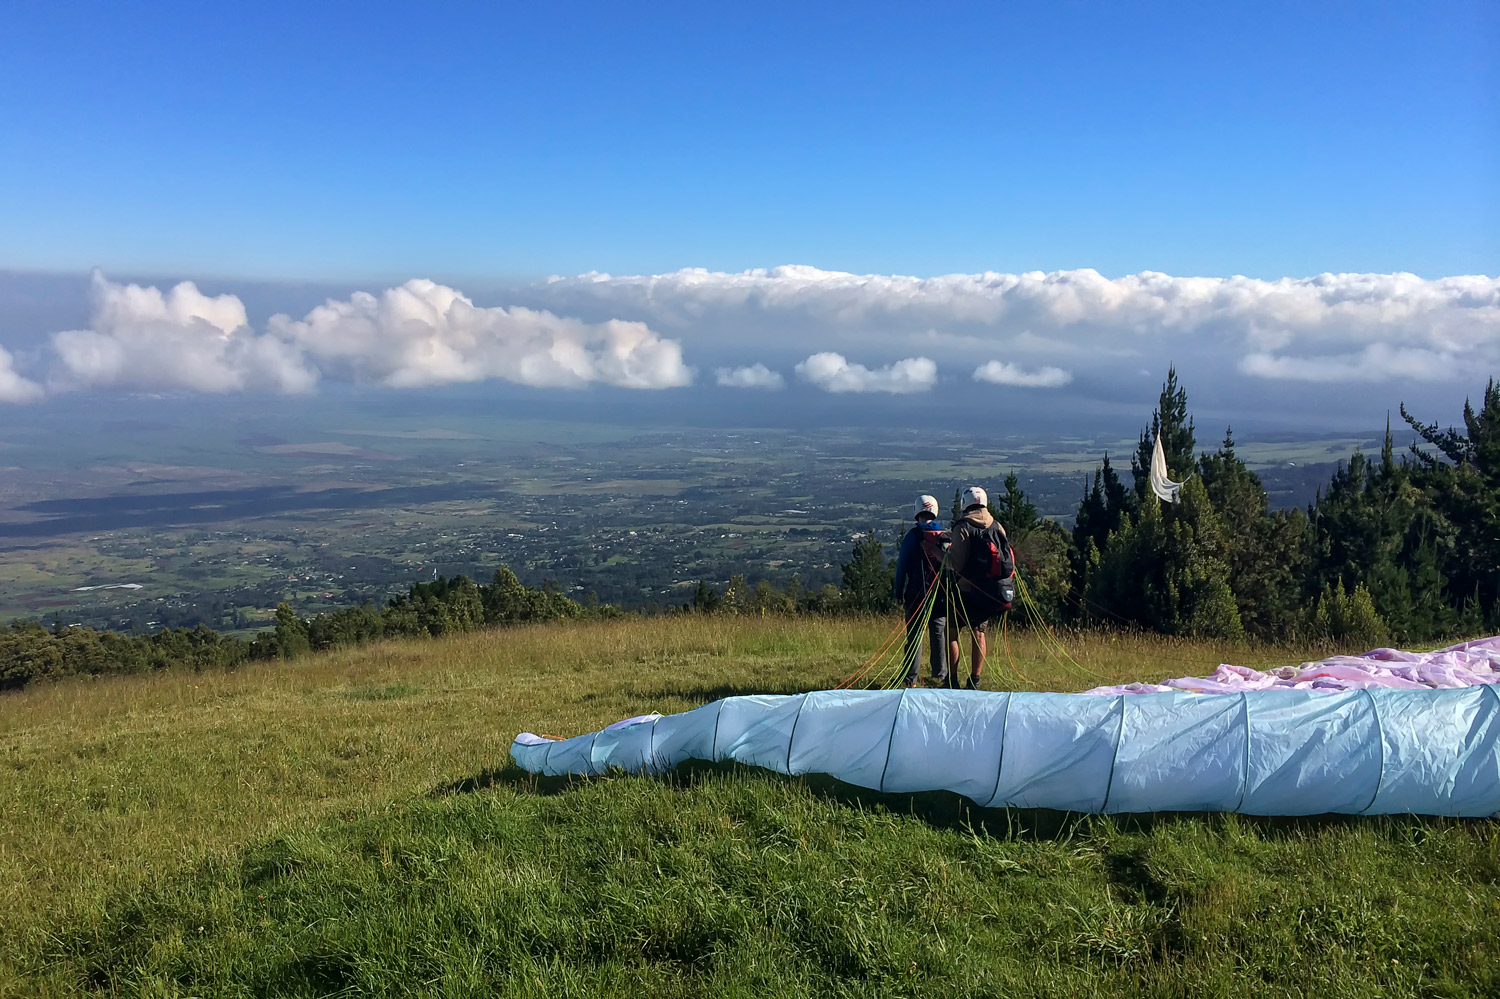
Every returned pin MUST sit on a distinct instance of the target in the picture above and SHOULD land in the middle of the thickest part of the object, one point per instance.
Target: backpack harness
(991, 564)
(934, 548)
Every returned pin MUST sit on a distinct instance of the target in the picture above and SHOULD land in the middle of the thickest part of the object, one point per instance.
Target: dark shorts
(977, 610)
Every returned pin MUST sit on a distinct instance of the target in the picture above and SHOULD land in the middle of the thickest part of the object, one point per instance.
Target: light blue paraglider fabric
(1374, 751)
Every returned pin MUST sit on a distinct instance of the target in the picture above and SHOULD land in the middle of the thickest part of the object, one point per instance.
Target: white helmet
(925, 504)
(974, 496)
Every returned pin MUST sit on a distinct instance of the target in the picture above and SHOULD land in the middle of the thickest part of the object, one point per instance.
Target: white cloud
(1378, 362)
(418, 334)
(14, 388)
(140, 338)
(1078, 312)
(424, 333)
(832, 373)
(756, 376)
(1002, 373)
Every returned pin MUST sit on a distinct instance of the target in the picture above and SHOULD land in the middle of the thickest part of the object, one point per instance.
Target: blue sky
(324, 141)
(1041, 204)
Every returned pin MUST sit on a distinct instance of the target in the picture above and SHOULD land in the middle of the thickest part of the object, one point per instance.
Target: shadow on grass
(947, 810)
(704, 694)
(510, 776)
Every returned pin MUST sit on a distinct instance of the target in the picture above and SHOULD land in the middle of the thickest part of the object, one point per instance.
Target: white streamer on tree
(1165, 489)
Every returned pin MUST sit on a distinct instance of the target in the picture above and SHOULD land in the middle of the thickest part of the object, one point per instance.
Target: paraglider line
(1005, 633)
(1380, 741)
(1000, 766)
(890, 741)
(713, 747)
(793, 734)
(1119, 731)
(1244, 777)
(886, 645)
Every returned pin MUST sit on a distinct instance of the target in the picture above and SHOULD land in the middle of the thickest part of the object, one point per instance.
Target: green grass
(350, 825)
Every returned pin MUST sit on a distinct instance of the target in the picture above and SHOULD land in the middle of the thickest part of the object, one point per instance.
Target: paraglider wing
(1411, 733)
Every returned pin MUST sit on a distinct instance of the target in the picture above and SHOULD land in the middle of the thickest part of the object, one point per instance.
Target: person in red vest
(985, 566)
(919, 566)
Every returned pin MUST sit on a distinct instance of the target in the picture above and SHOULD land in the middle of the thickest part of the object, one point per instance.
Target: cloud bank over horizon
(1062, 331)
(1332, 327)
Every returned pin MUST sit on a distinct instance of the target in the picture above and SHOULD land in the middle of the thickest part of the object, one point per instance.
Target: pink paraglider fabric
(1465, 665)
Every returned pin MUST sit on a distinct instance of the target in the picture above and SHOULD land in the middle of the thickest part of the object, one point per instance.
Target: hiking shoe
(941, 679)
(973, 683)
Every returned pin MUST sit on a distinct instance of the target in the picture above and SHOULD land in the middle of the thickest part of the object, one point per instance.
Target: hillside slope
(348, 822)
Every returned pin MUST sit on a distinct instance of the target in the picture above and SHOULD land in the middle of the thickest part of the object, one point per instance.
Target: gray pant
(937, 641)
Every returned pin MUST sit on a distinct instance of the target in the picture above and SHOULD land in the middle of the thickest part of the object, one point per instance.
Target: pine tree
(1349, 616)
(505, 600)
(705, 600)
(736, 596)
(1376, 528)
(868, 581)
(1015, 511)
(346, 627)
(767, 599)
(796, 593)
(1101, 512)
(1102, 508)
(1091, 525)
(1265, 554)
(1045, 560)
(1477, 447)
(1044, 552)
(1171, 423)
(291, 632)
(1165, 570)
(1118, 500)
(552, 605)
(1345, 524)
(465, 605)
(1462, 484)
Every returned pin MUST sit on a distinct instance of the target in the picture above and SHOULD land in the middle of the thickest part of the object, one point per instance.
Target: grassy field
(349, 825)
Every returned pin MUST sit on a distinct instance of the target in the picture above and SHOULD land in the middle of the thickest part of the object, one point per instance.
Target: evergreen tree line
(1403, 549)
(30, 651)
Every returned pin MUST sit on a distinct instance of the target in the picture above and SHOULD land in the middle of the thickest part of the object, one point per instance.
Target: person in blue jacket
(918, 565)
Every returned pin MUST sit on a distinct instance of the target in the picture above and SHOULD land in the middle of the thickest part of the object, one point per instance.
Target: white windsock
(1165, 489)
